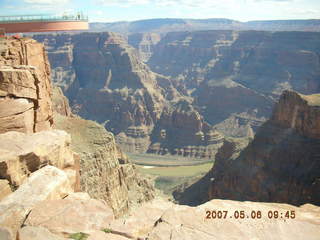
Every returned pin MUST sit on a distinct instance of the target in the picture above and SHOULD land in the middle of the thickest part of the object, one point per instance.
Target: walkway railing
(43, 18)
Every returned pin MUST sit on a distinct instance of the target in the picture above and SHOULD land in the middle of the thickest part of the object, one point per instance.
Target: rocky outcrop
(183, 222)
(47, 183)
(60, 103)
(37, 233)
(182, 131)
(240, 125)
(75, 215)
(144, 43)
(163, 220)
(5, 188)
(106, 172)
(197, 193)
(23, 154)
(109, 76)
(281, 164)
(24, 87)
(299, 112)
(238, 72)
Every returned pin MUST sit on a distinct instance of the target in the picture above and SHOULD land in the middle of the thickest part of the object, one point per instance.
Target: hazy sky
(118, 10)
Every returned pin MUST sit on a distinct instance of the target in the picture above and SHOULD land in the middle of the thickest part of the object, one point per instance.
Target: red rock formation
(25, 91)
(182, 131)
(106, 82)
(282, 163)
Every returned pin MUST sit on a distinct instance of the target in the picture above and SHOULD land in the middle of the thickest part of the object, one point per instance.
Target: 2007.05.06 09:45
(241, 214)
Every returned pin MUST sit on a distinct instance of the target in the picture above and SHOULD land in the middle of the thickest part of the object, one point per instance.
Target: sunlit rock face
(25, 90)
(281, 164)
(111, 85)
(182, 131)
(232, 78)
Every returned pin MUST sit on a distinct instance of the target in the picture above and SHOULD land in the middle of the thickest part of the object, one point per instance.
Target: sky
(130, 10)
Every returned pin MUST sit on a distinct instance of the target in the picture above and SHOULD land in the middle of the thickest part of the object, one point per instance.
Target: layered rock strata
(197, 193)
(182, 131)
(24, 87)
(281, 164)
(144, 43)
(45, 184)
(106, 173)
(124, 92)
(23, 154)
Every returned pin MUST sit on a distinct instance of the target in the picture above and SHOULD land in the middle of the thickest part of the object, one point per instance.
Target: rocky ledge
(282, 163)
(25, 101)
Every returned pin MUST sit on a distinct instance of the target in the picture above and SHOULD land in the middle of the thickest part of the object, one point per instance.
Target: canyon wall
(281, 164)
(182, 131)
(25, 89)
(90, 157)
(232, 79)
(127, 97)
(109, 76)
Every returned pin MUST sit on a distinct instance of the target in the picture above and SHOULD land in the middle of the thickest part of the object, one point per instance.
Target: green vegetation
(107, 230)
(166, 160)
(79, 236)
(168, 184)
(179, 171)
(168, 179)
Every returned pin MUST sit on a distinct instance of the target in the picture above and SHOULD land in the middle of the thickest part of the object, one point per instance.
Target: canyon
(281, 164)
(231, 80)
(62, 176)
(38, 161)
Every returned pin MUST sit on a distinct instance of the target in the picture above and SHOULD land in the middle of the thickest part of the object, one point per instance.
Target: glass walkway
(43, 18)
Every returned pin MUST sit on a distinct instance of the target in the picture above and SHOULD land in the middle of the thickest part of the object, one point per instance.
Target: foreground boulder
(45, 184)
(25, 88)
(71, 215)
(190, 223)
(5, 189)
(22, 154)
(161, 220)
(37, 233)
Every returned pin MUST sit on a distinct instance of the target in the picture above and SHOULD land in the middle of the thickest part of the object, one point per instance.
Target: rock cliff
(39, 165)
(144, 43)
(25, 89)
(233, 78)
(281, 164)
(109, 76)
(191, 58)
(182, 131)
(231, 73)
(106, 173)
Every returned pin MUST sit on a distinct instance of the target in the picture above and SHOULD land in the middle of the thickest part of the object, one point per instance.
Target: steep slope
(25, 90)
(232, 78)
(106, 172)
(109, 76)
(281, 164)
(144, 43)
(182, 131)
(232, 72)
(191, 59)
